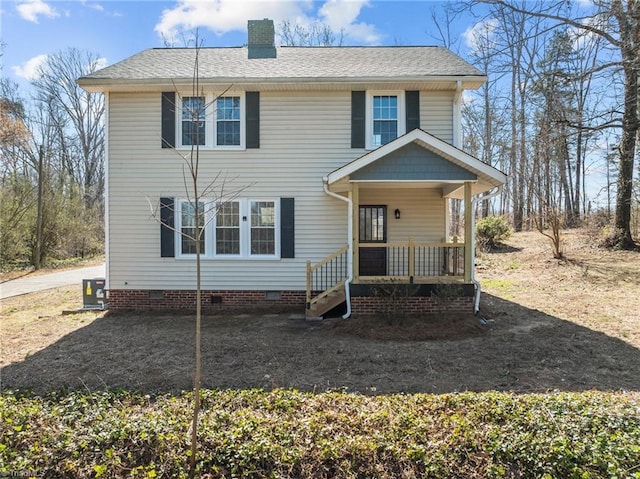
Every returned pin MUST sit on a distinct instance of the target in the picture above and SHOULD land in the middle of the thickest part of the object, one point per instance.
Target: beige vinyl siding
(436, 114)
(422, 212)
(303, 137)
(288, 164)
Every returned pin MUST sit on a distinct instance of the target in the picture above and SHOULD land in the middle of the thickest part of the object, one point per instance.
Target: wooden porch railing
(326, 276)
(414, 260)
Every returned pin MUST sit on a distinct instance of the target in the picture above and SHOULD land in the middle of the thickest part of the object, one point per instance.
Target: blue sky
(114, 30)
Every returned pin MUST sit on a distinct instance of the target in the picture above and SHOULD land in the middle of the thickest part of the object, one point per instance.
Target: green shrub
(492, 231)
(283, 433)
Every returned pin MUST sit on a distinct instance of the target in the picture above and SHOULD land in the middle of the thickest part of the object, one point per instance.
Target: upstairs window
(385, 117)
(211, 122)
(193, 121)
(228, 121)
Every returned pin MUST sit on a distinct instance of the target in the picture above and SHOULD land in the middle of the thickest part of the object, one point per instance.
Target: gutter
(347, 283)
(476, 303)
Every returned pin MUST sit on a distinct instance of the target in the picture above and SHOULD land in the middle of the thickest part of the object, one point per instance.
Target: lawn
(568, 325)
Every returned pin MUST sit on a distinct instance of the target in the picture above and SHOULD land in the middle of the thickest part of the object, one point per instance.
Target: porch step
(325, 304)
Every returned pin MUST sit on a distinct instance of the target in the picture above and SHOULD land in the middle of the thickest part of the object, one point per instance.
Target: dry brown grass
(567, 325)
(592, 287)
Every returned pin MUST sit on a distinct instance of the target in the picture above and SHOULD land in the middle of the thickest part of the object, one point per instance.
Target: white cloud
(342, 15)
(479, 37)
(30, 69)
(31, 9)
(222, 16)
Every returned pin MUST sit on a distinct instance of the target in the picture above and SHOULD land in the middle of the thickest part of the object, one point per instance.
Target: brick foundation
(363, 306)
(211, 300)
(363, 301)
(367, 299)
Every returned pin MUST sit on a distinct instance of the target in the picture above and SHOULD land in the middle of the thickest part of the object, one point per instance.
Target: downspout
(476, 303)
(347, 283)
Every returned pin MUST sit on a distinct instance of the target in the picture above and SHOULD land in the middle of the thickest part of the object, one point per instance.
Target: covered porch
(398, 199)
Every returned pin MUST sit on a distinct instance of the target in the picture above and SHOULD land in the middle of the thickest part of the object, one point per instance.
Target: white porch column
(468, 233)
(355, 201)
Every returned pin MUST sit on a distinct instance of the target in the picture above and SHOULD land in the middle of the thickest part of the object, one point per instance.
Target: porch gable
(412, 163)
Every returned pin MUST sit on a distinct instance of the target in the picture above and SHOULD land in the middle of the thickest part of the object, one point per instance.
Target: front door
(373, 229)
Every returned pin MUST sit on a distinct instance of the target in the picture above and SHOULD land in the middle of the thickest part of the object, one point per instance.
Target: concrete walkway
(30, 284)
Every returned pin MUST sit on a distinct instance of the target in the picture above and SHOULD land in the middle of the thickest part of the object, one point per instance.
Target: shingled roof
(291, 65)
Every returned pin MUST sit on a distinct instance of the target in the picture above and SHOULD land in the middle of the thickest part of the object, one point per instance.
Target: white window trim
(245, 231)
(211, 122)
(402, 126)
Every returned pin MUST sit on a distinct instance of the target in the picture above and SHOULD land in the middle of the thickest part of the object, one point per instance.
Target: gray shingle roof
(291, 64)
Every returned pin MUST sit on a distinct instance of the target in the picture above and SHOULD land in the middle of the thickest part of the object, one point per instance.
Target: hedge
(287, 434)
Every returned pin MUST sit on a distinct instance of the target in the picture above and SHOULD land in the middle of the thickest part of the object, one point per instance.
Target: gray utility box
(93, 293)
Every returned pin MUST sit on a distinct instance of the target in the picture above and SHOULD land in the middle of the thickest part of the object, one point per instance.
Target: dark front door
(373, 229)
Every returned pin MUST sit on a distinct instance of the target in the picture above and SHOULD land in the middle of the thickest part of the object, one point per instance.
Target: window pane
(193, 120)
(228, 228)
(228, 121)
(262, 213)
(263, 227)
(228, 133)
(384, 132)
(189, 232)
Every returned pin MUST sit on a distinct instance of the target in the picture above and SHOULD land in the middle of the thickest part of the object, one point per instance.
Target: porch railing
(414, 260)
(326, 276)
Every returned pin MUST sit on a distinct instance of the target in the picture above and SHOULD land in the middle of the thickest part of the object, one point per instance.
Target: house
(350, 155)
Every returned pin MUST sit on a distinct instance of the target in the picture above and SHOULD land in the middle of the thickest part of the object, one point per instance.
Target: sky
(115, 30)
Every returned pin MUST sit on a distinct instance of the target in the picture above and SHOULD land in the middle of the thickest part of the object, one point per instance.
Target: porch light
(397, 213)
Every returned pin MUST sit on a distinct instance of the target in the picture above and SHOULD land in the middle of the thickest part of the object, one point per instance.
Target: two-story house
(348, 156)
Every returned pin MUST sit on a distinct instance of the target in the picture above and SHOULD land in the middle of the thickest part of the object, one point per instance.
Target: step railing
(326, 276)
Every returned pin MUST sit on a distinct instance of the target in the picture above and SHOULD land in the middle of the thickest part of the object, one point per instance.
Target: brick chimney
(261, 39)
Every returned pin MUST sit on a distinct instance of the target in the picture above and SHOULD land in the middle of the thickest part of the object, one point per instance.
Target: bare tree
(204, 199)
(316, 34)
(617, 23)
(81, 127)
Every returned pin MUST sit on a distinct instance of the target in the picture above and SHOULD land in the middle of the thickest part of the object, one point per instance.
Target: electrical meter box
(93, 293)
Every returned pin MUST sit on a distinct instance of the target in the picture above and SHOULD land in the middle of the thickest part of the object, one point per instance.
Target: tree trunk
(37, 249)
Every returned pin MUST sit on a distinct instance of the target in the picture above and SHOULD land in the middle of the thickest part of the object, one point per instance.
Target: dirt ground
(567, 325)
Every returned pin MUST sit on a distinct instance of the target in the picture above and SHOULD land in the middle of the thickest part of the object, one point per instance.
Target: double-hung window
(193, 121)
(263, 228)
(191, 230)
(385, 117)
(212, 121)
(228, 228)
(228, 125)
(242, 228)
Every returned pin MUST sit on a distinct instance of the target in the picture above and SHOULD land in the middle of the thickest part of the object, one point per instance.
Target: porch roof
(418, 159)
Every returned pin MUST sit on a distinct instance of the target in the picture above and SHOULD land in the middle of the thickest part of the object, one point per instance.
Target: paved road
(30, 284)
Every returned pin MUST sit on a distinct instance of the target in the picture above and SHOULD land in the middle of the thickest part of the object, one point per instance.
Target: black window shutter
(168, 129)
(358, 119)
(252, 112)
(412, 109)
(287, 228)
(167, 226)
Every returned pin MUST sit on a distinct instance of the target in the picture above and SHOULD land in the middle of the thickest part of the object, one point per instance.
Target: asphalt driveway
(30, 284)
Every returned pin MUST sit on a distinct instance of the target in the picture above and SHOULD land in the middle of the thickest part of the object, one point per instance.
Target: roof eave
(97, 85)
